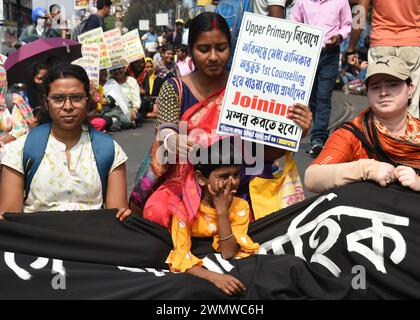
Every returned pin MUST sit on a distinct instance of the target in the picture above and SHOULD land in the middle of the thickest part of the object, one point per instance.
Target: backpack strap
(104, 153)
(33, 152)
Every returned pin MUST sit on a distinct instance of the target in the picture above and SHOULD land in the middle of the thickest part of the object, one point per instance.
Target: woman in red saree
(382, 144)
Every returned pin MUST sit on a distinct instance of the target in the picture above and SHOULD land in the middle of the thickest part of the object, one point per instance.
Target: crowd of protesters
(183, 79)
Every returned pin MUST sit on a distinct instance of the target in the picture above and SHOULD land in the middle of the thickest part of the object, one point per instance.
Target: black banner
(356, 242)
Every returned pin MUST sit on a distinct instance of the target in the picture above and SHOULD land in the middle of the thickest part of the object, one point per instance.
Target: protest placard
(274, 67)
(133, 48)
(90, 61)
(144, 25)
(115, 46)
(162, 19)
(97, 36)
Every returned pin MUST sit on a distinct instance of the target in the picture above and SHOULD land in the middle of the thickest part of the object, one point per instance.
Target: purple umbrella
(20, 62)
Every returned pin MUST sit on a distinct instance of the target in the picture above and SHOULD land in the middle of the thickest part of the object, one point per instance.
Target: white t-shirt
(56, 188)
(131, 92)
(261, 6)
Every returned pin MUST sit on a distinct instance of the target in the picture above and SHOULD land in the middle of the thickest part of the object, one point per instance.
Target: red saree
(180, 194)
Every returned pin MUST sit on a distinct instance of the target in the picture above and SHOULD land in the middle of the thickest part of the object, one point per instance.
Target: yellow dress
(181, 259)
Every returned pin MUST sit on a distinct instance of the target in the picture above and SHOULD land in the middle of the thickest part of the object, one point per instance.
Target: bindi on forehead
(67, 85)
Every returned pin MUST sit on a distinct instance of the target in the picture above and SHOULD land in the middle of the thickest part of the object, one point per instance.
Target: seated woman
(67, 177)
(16, 119)
(382, 144)
(211, 210)
(148, 84)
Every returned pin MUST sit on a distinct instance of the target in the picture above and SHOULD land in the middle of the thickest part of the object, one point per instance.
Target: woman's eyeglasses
(59, 100)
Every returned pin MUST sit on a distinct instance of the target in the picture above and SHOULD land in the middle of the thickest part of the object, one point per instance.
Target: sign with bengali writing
(97, 36)
(90, 61)
(273, 67)
(133, 48)
(115, 46)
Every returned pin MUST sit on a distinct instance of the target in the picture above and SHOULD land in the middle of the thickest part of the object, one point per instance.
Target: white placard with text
(144, 25)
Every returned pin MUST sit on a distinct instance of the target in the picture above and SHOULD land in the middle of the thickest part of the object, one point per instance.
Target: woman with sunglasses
(67, 177)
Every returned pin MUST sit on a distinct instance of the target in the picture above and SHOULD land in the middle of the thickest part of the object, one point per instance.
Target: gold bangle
(227, 238)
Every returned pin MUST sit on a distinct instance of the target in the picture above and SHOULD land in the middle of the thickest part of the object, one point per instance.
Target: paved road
(136, 142)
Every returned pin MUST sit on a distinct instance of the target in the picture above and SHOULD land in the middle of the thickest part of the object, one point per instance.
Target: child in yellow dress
(220, 215)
